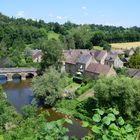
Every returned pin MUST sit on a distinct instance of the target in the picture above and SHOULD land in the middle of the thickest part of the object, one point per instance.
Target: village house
(130, 52)
(113, 59)
(88, 63)
(133, 73)
(36, 55)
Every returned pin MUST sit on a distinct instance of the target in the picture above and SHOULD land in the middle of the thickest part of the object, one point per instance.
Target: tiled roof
(98, 68)
(83, 59)
(78, 55)
(111, 57)
(132, 72)
(99, 55)
(71, 56)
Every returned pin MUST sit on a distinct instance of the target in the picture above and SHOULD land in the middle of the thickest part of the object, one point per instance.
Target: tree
(97, 38)
(105, 45)
(120, 92)
(52, 56)
(134, 61)
(48, 88)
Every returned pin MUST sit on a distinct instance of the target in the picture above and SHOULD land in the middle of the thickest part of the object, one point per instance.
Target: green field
(125, 46)
(53, 35)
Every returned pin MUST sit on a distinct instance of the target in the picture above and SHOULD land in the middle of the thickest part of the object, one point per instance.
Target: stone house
(88, 63)
(100, 56)
(130, 52)
(95, 70)
(112, 59)
(133, 73)
(36, 55)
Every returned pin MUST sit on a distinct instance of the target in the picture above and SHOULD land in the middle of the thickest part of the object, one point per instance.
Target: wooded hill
(18, 35)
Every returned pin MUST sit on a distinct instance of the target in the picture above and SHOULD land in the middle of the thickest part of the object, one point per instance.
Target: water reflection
(19, 93)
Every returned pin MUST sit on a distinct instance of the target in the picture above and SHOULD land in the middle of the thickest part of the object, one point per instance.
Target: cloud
(20, 14)
(61, 17)
(84, 8)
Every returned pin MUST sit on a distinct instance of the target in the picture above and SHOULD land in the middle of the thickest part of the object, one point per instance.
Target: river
(19, 93)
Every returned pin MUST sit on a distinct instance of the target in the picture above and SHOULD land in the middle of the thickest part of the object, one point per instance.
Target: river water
(19, 93)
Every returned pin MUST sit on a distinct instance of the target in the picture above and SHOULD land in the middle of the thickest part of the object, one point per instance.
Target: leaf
(115, 111)
(106, 120)
(96, 129)
(113, 126)
(116, 133)
(130, 137)
(49, 138)
(111, 116)
(104, 137)
(85, 124)
(96, 118)
(128, 128)
(1, 137)
(120, 121)
(123, 131)
(101, 112)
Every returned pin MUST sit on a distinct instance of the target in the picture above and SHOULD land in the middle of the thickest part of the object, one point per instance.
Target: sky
(107, 12)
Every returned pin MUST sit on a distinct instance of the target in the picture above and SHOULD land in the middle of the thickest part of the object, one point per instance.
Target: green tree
(120, 92)
(134, 61)
(52, 56)
(48, 88)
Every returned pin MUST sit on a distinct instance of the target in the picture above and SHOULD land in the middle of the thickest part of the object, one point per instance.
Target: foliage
(66, 106)
(108, 124)
(134, 61)
(105, 45)
(48, 88)
(83, 88)
(52, 50)
(120, 92)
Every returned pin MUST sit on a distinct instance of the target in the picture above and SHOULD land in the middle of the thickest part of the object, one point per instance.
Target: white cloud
(20, 14)
(61, 17)
(84, 8)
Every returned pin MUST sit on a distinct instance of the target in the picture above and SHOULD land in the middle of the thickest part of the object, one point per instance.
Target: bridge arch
(30, 75)
(16, 76)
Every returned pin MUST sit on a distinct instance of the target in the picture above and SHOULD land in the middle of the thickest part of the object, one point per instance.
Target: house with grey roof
(36, 55)
(133, 73)
(88, 63)
(112, 59)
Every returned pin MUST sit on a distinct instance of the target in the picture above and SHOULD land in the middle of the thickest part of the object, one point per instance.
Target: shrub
(83, 88)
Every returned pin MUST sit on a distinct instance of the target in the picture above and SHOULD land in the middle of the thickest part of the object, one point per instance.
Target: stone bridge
(9, 73)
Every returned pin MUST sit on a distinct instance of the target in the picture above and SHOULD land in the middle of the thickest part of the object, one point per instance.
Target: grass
(72, 87)
(53, 35)
(86, 95)
(97, 48)
(125, 46)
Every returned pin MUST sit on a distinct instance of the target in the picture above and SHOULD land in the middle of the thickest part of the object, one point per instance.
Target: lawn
(125, 46)
(86, 95)
(53, 35)
(72, 87)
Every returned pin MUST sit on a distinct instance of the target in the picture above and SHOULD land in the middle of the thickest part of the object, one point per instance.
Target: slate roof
(83, 59)
(78, 55)
(98, 68)
(99, 55)
(111, 57)
(133, 73)
(36, 53)
(71, 56)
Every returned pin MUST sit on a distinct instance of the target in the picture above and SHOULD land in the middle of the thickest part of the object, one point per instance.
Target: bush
(83, 88)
